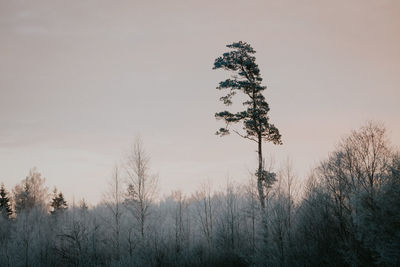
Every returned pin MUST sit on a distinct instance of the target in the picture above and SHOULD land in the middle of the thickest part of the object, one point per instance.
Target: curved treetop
(247, 79)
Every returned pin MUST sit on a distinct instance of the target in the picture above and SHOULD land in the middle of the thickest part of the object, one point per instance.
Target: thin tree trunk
(260, 173)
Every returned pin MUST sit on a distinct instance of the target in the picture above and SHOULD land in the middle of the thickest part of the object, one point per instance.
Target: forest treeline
(346, 213)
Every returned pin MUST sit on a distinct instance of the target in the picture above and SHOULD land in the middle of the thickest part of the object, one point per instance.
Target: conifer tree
(256, 125)
(58, 203)
(5, 206)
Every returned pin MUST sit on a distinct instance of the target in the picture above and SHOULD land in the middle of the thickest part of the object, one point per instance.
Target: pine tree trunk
(260, 173)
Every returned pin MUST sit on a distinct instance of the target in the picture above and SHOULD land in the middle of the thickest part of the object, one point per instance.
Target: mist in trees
(351, 213)
(346, 213)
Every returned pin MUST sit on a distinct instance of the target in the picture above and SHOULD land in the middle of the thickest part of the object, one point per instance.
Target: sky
(79, 80)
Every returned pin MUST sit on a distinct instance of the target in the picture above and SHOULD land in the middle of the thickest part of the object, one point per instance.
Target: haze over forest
(195, 133)
(79, 81)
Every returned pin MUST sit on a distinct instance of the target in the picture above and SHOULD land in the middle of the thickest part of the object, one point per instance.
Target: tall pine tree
(256, 125)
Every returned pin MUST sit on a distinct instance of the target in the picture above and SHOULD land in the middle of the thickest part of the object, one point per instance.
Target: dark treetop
(246, 79)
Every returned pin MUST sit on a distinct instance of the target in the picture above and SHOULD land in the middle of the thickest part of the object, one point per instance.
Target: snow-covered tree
(113, 199)
(31, 192)
(142, 185)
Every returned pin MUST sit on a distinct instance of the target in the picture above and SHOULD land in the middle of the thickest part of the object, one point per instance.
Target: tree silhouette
(58, 203)
(5, 205)
(256, 126)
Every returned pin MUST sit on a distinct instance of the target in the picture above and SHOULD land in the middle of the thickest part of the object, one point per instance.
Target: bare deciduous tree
(113, 199)
(142, 186)
(31, 192)
(205, 211)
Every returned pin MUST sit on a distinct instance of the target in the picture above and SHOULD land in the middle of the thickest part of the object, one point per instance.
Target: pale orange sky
(79, 79)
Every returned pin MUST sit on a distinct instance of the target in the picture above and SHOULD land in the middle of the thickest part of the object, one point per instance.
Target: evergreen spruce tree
(5, 205)
(256, 125)
(58, 203)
